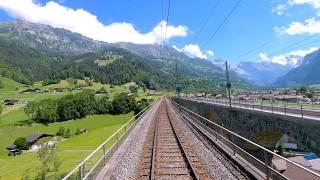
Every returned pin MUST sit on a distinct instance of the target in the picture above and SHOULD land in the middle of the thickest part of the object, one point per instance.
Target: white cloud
(280, 9)
(314, 3)
(193, 50)
(291, 57)
(311, 26)
(85, 23)
(263, 57)
(210, 53)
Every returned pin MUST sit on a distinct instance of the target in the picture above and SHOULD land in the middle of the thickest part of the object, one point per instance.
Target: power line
(254, 49)
(292, 44)
(222, 23)
(168, 14)
(161, 33)
(207, 19)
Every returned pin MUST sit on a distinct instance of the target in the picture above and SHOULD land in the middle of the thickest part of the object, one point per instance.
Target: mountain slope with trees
(32, 52)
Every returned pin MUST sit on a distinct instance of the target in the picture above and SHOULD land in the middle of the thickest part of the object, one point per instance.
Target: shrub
(60, 131)
(141, 104)
(1, 84)
(133, 89)
(24, 123)
(77, 131)
(67, 133)
(1, 108)
(21, 142)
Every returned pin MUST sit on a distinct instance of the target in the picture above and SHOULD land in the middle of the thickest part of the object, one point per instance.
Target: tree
(133, 89)
(49, 163)
(123, 104)
(21, 142)
(30, 109)
(103, 106)
(46, 111)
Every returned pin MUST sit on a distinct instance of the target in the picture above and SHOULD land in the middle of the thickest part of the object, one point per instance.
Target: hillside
(8, 85)
(307, 73)
(166, 57)
(47, 38)
(32, 52)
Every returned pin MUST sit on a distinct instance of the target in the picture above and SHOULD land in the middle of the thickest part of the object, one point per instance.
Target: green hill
(9, 85)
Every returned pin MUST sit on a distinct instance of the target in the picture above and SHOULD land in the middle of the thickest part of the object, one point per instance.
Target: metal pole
(228, 84)
(104, 154)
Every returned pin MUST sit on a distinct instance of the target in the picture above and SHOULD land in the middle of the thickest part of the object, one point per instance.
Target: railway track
(167, 153)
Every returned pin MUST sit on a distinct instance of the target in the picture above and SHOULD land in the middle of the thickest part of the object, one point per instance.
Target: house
(291, 98)
(33, 138)
(10, 102)
(152, 93)
(200, 94)
(36, 90)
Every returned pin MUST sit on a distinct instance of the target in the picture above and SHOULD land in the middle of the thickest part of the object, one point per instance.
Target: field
(70, 151)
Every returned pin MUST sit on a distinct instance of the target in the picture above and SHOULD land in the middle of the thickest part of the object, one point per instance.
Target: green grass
(9, 85)
(100, 127)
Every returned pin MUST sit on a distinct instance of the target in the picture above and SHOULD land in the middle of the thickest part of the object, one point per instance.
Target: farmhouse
(33, 138)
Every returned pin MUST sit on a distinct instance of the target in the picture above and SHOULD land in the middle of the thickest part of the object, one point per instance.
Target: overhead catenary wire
(167, 22)
(295, 44)
(214, 7)
(222, 23)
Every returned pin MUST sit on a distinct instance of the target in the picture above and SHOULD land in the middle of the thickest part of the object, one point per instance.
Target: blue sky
(254, 23)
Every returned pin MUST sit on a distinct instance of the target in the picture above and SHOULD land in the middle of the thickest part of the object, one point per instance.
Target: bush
(21, 142)
(24, 123)
(60, 131)
(1, 84)
(67, 133)
(133, 89)
(141, 104)
(1, 108)
(77, 131)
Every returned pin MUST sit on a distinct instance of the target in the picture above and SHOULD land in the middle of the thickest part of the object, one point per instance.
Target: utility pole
(228, 84)
(178, 86)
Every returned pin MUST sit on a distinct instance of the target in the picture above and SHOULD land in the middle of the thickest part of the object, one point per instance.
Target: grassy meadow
(70, 151)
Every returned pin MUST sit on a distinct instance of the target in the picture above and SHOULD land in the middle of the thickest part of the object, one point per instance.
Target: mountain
(305, 74)
(166, 57)
(265, 73)
(35, 52)
(46, 38)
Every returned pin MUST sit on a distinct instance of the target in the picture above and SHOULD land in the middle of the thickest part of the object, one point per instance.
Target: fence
(301, 111)
(92, 164)
(257, 156)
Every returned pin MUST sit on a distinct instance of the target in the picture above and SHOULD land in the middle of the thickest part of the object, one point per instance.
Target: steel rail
(193, 173)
